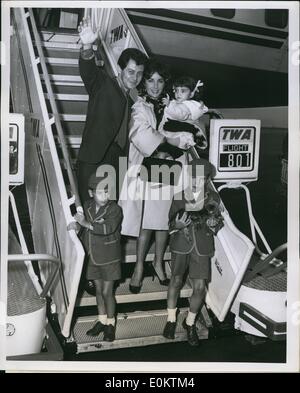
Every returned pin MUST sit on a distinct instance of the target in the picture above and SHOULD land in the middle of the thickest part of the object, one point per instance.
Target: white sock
(172, 314)
(102, 318)
(110, 321)
(190, 319)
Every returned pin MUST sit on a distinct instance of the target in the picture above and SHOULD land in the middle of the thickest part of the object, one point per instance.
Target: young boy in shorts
(193, 223)
(101, 238)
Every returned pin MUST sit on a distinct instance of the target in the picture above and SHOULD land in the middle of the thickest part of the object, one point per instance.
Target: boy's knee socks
(172, 314)
(111, 321)
(102, 318)
(190, 319)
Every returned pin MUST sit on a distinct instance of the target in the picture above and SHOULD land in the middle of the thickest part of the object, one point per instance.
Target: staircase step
(62, 53)
(69, 97)
(140, 328)
(64, 78)
(70, 107)
(62, 61)
(151, 290)
(61, 45)
(73, 131)
(67, 89)
(62, 69)
(59, 36)
(130, 251)
(73, 141)
(72, 117)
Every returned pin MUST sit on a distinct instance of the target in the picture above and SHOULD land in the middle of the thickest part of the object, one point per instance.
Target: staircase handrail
(39, 257)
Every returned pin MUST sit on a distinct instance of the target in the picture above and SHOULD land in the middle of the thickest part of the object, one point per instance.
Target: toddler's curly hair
(190, 83)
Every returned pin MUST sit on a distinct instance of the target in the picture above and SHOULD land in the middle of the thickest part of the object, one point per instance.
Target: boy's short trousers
(109, 272)
(199, 266)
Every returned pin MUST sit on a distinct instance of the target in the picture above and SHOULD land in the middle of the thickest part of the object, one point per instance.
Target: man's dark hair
(131, 53)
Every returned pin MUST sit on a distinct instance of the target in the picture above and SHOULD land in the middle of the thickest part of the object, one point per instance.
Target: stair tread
(57, 45)
(69, 97)
(73, 117)
(59, 31)
(59, 36)
(139, 328)
(151, 290)
(62, 61)
(62, 77)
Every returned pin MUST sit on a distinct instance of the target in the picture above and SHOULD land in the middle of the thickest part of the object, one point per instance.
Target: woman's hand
(86, 34)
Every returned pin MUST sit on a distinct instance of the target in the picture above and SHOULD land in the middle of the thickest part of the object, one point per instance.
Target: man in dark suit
(105, 136)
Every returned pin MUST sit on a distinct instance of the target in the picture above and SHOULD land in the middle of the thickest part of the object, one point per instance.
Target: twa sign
(234, 149)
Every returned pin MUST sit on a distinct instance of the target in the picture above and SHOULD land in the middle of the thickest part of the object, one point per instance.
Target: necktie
(122, 137)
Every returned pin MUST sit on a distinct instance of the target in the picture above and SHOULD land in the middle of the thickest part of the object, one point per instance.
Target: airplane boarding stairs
(61, 52)
(133, 329)
(49, 189)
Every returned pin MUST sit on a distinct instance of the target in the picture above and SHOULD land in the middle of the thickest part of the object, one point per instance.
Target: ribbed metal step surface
(276, 283)
(136, 329)
(22, 297)
(151, 290)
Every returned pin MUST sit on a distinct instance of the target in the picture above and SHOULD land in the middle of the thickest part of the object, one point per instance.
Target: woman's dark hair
(131, 53)
(152, 66)
(190, 83)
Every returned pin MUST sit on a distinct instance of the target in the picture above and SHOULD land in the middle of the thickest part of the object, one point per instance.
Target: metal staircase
(133, 329)
(46, 88)
(61, 54)
(64, 92)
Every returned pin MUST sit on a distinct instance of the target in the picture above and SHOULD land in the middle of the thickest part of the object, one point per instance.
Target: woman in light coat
(146, 205)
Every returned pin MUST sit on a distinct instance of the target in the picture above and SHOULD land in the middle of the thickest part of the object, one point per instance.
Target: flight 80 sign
(234, 149)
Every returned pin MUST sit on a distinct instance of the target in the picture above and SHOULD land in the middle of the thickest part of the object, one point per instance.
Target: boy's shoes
(169, 330)
(96, 329)
(192, 335)
(109, 333)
